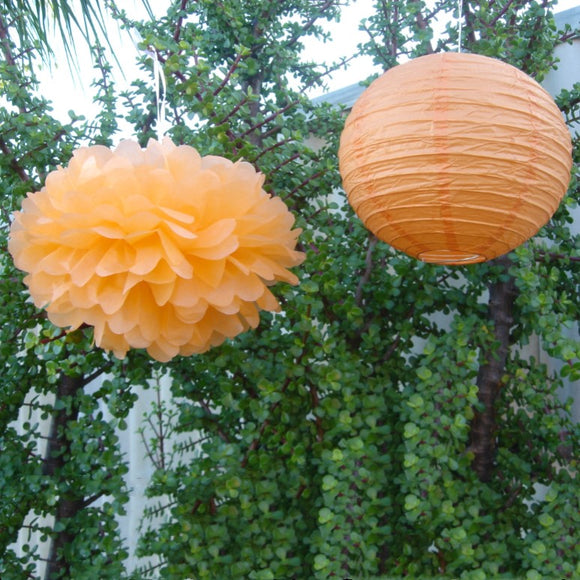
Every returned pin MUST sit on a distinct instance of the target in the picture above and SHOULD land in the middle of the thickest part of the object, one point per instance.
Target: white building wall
(564, 77)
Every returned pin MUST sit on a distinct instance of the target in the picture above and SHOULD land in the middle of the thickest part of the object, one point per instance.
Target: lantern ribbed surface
(455, 158)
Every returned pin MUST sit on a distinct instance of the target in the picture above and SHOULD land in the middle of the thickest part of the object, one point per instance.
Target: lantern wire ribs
(455, 158)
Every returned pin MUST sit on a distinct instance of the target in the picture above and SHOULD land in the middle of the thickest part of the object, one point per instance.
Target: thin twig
(271, 148)
(555, 256)
(162, 434)
(222, 434)
(289, 160)
(18, 169)
(305, 182)
(233, 111)
(270, 118)
(98, 373)
(309, 24)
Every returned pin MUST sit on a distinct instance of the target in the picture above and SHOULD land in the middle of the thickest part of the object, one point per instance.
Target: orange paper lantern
(455, 158)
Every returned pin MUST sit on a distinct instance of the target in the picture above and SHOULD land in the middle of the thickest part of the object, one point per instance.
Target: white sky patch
(68, 91)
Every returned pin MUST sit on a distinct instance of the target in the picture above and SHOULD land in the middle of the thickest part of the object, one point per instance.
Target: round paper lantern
(156, 248)
(455, 158)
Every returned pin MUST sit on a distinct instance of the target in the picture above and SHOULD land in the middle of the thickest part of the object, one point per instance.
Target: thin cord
(160, 92)
(460, 18)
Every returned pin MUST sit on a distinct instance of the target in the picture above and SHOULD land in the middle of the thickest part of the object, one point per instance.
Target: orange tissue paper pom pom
(156, 248)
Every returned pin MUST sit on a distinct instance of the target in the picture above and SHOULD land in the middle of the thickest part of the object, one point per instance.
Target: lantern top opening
(450, 257)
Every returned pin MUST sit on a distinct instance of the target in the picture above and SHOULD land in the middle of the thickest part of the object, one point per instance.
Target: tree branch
(289, 160)
(533, 39)
(5, 42)
(554, 256)
(228, 75)
(269, 118)
(178, 26)
(308, 24)
(18, 169)
(373, 240)
(97, 373)
(422, 25)
(222, 434)
(502, 296)
(469, 21)
(232, 112)
(271, 148)
(305, 182)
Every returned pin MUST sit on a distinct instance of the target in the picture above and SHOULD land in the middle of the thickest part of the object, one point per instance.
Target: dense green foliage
(338, 439)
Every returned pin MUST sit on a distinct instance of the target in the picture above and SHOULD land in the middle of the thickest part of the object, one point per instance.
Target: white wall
(564, 77)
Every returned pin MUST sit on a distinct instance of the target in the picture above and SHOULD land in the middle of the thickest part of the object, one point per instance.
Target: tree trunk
(57, 453)
(502, 295)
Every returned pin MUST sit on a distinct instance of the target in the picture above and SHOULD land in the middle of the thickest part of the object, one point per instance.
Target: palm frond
(35, 21)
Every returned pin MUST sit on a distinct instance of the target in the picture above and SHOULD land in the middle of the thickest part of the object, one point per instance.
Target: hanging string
(460, 19)
(160, 86)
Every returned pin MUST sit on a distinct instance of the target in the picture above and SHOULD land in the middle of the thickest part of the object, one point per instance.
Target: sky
(345, 36)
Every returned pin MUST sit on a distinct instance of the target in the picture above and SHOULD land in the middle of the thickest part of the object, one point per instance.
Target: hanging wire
(160, 86)
(460, 22)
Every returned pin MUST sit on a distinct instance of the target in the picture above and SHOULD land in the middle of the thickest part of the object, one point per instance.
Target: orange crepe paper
(156, 248)
(455, 158)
